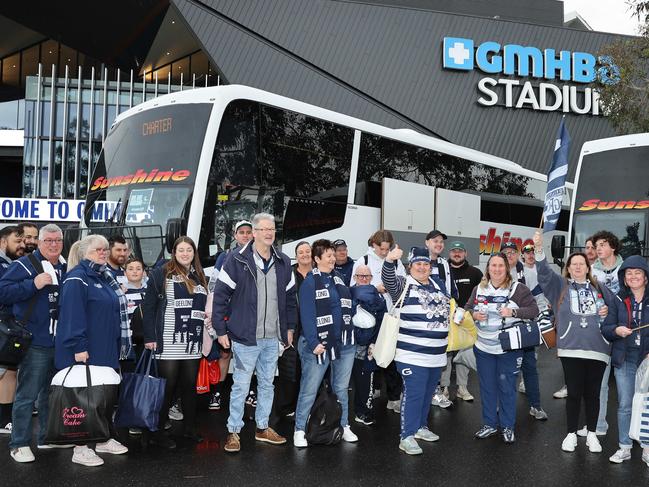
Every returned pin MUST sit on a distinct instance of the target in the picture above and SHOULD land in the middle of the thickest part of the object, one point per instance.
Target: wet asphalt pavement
(457, 459)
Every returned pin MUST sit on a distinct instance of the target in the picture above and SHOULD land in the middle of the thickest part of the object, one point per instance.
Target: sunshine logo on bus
(140, 177)
(596, 204)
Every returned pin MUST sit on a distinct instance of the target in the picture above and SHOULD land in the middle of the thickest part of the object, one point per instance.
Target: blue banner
(556, 179)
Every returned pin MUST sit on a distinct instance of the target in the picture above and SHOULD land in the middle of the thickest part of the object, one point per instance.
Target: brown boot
(232, 444)
(269, 436)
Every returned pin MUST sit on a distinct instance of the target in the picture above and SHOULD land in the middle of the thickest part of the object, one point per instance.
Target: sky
(605, 15)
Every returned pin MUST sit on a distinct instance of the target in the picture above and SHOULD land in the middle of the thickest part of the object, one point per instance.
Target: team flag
(556, 179)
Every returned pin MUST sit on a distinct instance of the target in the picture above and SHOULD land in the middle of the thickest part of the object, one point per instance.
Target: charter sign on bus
(546, 65)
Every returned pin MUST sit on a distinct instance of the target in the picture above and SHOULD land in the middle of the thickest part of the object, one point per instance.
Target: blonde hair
(508, 276)
(74, 255)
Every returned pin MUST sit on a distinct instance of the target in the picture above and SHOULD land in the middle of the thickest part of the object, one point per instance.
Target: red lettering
(588, 205)
(97, 183)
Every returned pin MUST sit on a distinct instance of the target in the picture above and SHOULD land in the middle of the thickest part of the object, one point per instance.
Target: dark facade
(383, 62)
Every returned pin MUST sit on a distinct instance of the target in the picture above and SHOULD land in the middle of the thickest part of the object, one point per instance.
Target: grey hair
(262, 216)
(49, 228)
(86, 242)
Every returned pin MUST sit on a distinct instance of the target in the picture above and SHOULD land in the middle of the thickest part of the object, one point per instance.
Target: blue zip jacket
(88, 320)
(308, 312)
(235, 296)
(345, 270)
(623, 303)
(16, 290)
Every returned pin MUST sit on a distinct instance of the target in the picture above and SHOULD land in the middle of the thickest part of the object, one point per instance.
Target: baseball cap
(509, 245)
(456, 245)
(241, 224)
(527, 248)
(418, 254)
(435, 233)
(338, 243)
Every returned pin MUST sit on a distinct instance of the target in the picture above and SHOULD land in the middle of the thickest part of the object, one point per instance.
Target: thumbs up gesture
(395, 254)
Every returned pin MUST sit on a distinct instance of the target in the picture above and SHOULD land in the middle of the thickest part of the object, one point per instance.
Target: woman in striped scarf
(327, 338)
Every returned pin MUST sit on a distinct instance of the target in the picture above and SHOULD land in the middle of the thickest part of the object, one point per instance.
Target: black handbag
(80, 415)
(15, 338)
(520, 334)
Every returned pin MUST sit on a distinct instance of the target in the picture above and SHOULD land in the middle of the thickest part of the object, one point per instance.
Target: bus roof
(612, 143)
(227, 93)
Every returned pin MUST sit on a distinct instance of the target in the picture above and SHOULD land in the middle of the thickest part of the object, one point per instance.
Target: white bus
(611, 192)
(198, 161)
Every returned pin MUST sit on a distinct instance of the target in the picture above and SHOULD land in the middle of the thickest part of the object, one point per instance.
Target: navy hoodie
(624, 318)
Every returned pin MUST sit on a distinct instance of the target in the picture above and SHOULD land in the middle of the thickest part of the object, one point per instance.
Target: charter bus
(611, 192)
(196, 162)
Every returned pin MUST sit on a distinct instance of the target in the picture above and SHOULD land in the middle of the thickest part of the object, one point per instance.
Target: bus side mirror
(558, 246)
(176, 227)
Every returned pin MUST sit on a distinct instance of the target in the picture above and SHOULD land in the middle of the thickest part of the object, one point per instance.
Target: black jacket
(466, 277)
(153, 308)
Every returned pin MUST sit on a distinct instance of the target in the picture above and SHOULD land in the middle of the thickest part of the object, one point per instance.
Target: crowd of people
(284, 328)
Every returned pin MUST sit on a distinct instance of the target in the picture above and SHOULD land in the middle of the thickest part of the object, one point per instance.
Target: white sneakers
(569, 442)
(348, 435)
(592, 442)
(22, 455)
(394, 406)
(621, 455)
(426, 435)
(561, 393)
(584, 432)
(85, 456)
(299, 439)
(464, 394)
(112, 446)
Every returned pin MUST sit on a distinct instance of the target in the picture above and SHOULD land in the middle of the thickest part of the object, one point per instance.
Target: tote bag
(141, 396)
(385, 347)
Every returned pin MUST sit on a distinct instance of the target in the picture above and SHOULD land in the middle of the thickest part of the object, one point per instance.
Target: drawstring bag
(323, 424)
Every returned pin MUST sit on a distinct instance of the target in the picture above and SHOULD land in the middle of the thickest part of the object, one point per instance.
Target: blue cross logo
(458, 53)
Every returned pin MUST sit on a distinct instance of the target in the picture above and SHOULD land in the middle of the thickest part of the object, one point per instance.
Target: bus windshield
(147, 168)
(613, 194)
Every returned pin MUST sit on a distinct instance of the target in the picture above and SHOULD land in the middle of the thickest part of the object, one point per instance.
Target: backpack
(323, 425)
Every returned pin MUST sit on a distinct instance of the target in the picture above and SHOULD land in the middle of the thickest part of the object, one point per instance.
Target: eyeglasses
(101, 250)
(509, 252)
(53, 241)
(265, 230)
(363, 276)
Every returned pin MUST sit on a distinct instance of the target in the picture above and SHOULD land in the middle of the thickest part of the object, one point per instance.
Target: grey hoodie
(578, 334)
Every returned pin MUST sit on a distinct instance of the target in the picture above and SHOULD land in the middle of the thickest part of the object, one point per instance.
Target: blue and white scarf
(324, 317)
(126, 347)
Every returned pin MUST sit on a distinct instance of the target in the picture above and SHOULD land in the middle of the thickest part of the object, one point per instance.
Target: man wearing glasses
(22, 282)
(256, 289)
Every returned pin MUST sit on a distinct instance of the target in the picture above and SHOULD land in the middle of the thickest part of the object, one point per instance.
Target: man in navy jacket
(18, 285)
(256, 288)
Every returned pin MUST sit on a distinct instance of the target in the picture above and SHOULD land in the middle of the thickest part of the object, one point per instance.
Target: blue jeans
(602, 424)
(498, 374)
(34, 377)
(419, 385)
(531, 377)
(312, 375)
(625, 380)
(262, 358)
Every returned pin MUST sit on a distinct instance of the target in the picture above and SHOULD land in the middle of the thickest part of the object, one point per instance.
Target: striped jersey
(488, 331)
(423, 331)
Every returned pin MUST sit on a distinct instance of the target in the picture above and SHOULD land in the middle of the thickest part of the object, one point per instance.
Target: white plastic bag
(363, 319)
(639, 429)
(77, 378)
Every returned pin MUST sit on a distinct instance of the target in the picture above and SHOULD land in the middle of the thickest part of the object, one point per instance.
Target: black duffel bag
(15, 338)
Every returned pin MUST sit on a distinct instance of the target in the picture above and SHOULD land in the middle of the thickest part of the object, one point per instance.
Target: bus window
(284, 163)
(628, 226)
(381, 157)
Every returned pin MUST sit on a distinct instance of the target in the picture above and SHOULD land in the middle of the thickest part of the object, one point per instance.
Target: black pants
(180, 373)
(393, 382)
(363, 388)
(584, 379)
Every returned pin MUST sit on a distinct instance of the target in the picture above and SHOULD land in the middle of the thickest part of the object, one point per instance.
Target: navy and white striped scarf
(126, 347)
(324, 317)
(189, 312)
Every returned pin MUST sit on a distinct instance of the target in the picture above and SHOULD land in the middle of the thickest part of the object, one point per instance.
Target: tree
(623, 80)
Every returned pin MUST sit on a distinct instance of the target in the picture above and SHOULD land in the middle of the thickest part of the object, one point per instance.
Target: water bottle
(600, 303)
(481, 306)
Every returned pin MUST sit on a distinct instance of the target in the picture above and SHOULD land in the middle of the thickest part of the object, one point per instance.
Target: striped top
(518, 297)
(423, 331)
(171, 350)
